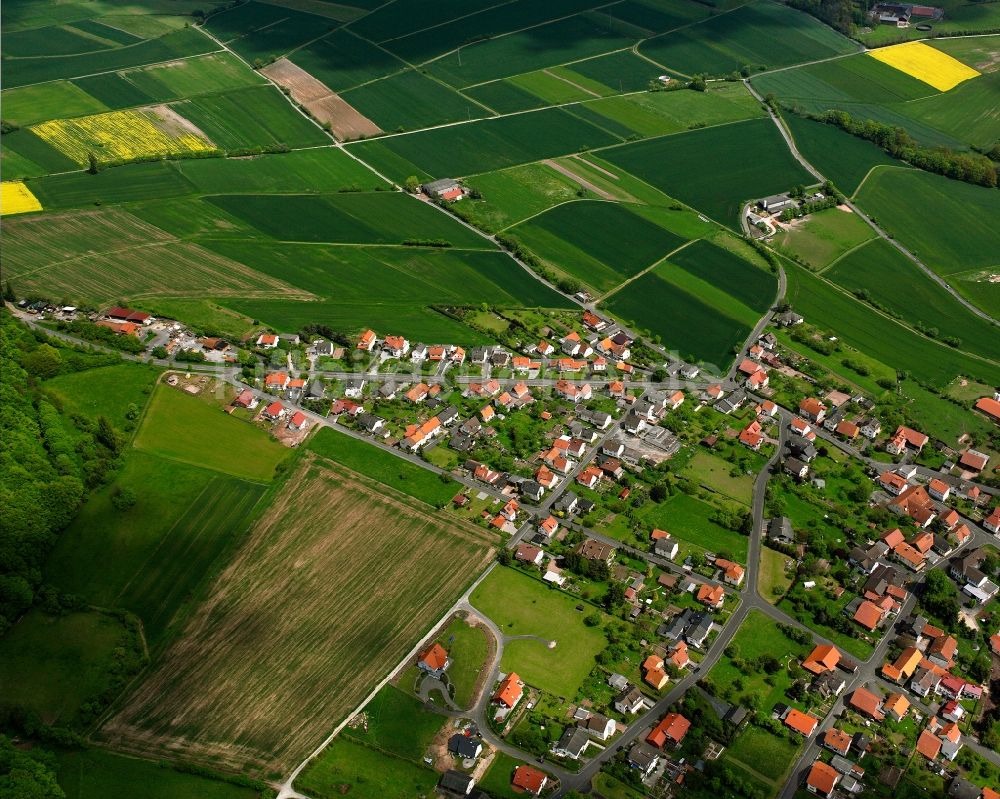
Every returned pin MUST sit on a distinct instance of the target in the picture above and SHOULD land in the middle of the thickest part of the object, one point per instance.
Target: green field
(34, 156)
(697, 301)
(152, 557)
(106, 391)
(52, 665)
(772, 582)
(342, 60)
(483, 146)
(60, 98)
(710, 170)
(197, 432)
(600, 243)
(758, 35)
(895, 282)
(352, 217)
(398, 724)
(521, 605)
(712, 471)
(111, 186)
(263, 31)
(624, 70)
(250, 118)
(369, 460)
(839, 156)
(764, 753)
(367, 774)
(820, 239)
(98, 774)
(960, 241)
(688, 519)
(409, 100)
(511, 195)
(882, 338)
(177, 44)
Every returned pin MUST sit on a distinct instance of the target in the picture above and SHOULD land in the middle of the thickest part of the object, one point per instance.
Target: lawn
(194, 431)
(497, 780)
(521, 605)
(61, 98)
(822, 238)
(393, 471)
(896, 283)
(709, 170)
(397, 724)
(52, 665)
(688, 519)
(98, 774)
(758, 635)
(468, 649)
(510, 195)
(764, 753)
(714, 472)
(773, 582)
(367, 774)
(152, 557)
(253, 641)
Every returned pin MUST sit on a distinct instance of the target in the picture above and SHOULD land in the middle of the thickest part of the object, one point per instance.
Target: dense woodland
(49, 460)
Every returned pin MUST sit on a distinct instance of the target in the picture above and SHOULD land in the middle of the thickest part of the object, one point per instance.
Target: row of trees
(969, 167)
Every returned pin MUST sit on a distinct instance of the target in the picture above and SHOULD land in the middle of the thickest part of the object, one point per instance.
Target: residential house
(598, 726)
(274, 411)
(823, 658)
(711, 596)
(939, 490)
(246, 399)
(866, 703)
(596, 551)
(812, 409)
(630, 701)
(643, 758)
(916, 503)
(529, 780)
(905, 440)
(456, 783)
(267, 341)
(803, 723)
(298, 421)
(528, 553)
(366, 341)
(669, 732)
(510, 691)
(465, 746)
(434, 660)
(822, 779)
(572, 744)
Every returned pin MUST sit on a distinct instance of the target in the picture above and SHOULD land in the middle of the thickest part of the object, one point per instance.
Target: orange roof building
(990, 407)
(671, 729)
(711, 595)
(822, 779)
(529, 780)
(929, 745)
(905, 665)
(866, 703)
(868, 615)
(823, 658)
(803, 723)
(434, 658)
(896, 705)
(510, 691)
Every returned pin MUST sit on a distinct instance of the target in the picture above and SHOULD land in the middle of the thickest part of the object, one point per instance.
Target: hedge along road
(868, 220)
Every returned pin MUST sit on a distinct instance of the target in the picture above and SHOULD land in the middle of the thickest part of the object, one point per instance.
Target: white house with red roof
(298, 421)
(267, 341)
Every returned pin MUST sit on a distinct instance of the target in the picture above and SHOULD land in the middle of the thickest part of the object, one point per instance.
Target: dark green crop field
(351, 217)
(600, 243)
(716, 169)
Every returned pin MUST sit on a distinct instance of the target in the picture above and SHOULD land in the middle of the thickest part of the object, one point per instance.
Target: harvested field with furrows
(334, 585)
(326, 106)
(96, 257)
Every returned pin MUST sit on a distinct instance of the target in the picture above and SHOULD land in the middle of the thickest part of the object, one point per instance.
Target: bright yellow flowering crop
(925, 63)
(16, 198)
(118, 136)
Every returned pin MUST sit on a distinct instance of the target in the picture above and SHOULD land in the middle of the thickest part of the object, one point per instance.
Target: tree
(592, 620)
(44, 362)
(92, 166)
(108, 436)
(940, 597)
(411, 184)
(615, 595)
(123, 498)
(25, 776)
(504, 557)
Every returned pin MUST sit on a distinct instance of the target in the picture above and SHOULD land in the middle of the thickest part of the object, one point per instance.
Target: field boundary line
(871, 171)
(446, 22)
(844, 254)
(548, 71)
(551, 66)
(648, 269)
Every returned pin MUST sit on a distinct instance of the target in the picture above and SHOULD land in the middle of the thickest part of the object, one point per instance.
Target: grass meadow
(386, 468)
(252, 642)
(522, 605)
(106, 391)
(99, 774)
(193, 431)
(52, 665)
(822, 238)
(398, 724)
(366, 773)
(688, 519)
(152, 558)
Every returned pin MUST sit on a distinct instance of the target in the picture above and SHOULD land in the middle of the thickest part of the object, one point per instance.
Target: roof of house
(434, 657)
(510, 690)
(823, 658)
(868, 615)
(528, 778)
(928, 744)
(865, 702)
(801, 722)
(897, 704)
(838, 740)
(822, 777)
(710, 594)
(812, 406)
(989, 406)
(672, 727)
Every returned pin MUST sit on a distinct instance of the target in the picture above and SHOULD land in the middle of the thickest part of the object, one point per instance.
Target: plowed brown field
(335, 584)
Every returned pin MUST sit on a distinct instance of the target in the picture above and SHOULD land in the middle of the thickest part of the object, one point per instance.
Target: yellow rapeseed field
(118, 136)
(925, 63)
(16, 198)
